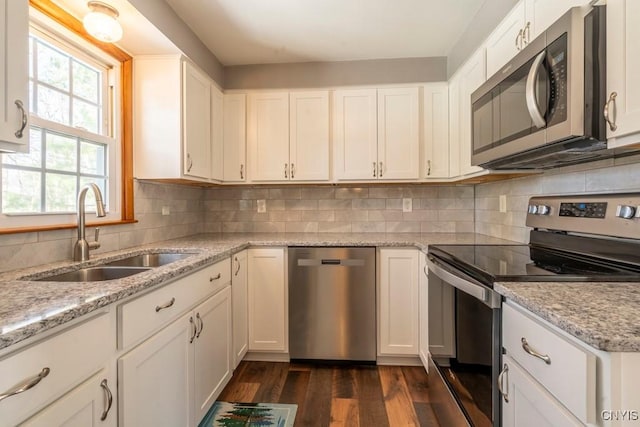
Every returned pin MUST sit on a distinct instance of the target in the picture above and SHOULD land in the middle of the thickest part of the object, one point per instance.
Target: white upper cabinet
(14, 79)
(355, 134)
(309, 136)
(268, 136)
(376, 134)
(524, 23)
(623, 63)
(436, 131)
(172, 129)
(196, 98)
(235, 137)
(468, 79)
(217, 136)
(398, 133)
(289, 142)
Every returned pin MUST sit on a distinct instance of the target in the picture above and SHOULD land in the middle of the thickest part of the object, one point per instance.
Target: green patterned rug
(226, 414)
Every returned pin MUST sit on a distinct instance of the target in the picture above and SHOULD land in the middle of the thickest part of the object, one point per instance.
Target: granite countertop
(29, 307)
(603, 315)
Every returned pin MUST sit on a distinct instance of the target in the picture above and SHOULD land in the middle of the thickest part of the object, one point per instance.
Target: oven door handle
(477, 291)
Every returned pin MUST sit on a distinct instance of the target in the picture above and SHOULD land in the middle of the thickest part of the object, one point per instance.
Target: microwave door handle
(530, 89)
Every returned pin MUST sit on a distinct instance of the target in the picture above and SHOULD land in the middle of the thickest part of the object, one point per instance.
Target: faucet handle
(95, 244)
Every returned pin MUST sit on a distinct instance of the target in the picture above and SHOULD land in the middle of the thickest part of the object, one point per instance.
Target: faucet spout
(82, 247)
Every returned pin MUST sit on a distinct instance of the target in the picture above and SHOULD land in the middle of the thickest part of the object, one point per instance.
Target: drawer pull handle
(501, 389)
(26, 385)
(199, 319)
(108, 399)
(238, 269)
(167, 305)
(526, 347)
(216, 277)
(195, 330)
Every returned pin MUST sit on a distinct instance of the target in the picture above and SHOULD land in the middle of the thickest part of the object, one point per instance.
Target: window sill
(37, 229)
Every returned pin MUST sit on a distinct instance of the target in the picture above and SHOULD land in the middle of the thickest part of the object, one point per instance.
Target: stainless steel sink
(95, 274)
(149, 260)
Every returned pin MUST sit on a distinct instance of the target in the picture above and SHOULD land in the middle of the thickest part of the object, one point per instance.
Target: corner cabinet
(376, 134)
(178, 114)
(268, 300)
(14, 79)
(235, 137)
(398, 323)
(288, 136)
(623, 63)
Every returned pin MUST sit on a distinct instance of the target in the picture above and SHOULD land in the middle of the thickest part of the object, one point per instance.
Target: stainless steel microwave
(544, 108)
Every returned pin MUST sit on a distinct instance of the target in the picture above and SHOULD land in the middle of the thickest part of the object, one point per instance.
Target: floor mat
(232, 414)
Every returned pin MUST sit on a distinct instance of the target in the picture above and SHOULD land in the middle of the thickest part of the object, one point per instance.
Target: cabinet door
(436, 130)
(542, 13)
(217, 160)
(423, 311)
(623, 63)
(14, 79)
(506, 40)
(472, 75)
(398, 129)
(454, 126)
(84, 406)
(269, 136)
(527, 404)
(239, 296)
(399, 319)
(441, 318)
(154, 379)
(309, 136)
(234, 136)
(355, 134)
(196, 122)
(212, 351)
(267, 300)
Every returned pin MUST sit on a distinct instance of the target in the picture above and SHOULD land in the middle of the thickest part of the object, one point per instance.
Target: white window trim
(114, 164)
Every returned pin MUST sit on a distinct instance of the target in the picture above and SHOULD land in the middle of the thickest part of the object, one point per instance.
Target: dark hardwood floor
(344, 395)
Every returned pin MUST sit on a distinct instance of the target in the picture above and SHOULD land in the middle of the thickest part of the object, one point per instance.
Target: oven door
(464, 333)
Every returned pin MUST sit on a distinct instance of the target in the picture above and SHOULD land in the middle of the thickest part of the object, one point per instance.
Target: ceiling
(279, 31)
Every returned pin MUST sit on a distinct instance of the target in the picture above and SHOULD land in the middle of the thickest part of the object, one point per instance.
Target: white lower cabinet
(91, 404)
(175, 376)
(239, 298)
(268, 309)
(526, 403)
(398, 301)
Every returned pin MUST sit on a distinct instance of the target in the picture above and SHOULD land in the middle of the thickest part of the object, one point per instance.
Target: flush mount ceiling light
(102, 22)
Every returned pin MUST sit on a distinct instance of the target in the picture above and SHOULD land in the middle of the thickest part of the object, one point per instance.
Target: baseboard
(399, 361)
(259, 356)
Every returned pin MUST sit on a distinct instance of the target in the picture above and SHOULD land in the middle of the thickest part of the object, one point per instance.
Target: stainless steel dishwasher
(332, 303)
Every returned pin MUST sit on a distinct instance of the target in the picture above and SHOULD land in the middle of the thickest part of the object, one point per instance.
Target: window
(74, 93)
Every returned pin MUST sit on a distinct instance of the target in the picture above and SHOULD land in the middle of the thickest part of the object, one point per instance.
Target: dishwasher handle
(306, 262)
(487, 296)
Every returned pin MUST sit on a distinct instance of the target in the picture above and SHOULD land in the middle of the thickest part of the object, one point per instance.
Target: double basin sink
(117, 269)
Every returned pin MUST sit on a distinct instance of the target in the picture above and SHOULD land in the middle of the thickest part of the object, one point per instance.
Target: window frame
(121, 124)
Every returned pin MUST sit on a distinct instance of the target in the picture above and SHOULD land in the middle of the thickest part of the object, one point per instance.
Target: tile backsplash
(340, 209)
(607, 176)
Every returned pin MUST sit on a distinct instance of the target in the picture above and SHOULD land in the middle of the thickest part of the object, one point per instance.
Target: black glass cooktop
(490, 263)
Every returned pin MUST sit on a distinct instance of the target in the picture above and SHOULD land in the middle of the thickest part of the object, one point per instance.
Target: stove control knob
(533, 209)
(544, 210)
(625, 211)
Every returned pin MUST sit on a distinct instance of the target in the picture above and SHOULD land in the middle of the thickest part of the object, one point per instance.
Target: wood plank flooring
(342, 395)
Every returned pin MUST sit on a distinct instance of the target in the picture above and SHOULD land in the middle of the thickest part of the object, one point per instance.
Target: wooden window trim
(59, 15)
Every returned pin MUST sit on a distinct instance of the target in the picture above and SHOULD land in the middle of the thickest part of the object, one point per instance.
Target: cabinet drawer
(143, 316)
(568, 372)
(71, 357)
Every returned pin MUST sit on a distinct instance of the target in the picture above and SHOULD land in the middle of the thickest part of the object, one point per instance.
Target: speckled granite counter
(603, 315)
(28, 307)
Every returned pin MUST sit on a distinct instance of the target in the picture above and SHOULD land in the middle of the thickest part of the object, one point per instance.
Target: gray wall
(160, 14)
(621, 175)
(327, 74)
(485, 21)
(340, 209)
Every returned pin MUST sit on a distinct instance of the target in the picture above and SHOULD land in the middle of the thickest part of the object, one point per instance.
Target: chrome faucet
(82, 247)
